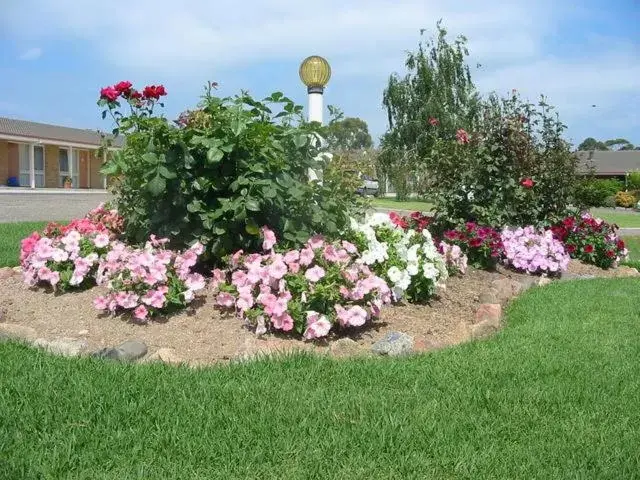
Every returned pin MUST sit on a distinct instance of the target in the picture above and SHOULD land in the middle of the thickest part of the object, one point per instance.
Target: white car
(370, 186)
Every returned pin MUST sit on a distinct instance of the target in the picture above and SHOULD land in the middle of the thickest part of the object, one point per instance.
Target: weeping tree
(437, 91)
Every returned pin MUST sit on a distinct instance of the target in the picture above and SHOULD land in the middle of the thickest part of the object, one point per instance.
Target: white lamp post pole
(315, 73)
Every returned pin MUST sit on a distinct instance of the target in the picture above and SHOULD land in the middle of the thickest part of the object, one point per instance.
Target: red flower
(610, 253)
(475, 242)
(451, 235)
(123, 87)
(135, 95)
(470, 226)
(434, 122)
(588, 249)
(571, 249)
(527, 183)
(109, 93)
(568, 222)
(398, 220)
(462, 136)
(620, 245)
(416, 215)
(153, 92)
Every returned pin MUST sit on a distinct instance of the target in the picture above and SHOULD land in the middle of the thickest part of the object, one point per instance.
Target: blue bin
(13, 182)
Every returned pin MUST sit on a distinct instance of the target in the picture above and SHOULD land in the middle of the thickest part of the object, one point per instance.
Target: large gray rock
(13, 331)
(68, 347)
(125, 352)
(394, 344)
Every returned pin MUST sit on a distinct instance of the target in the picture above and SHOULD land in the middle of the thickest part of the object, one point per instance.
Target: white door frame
(31, 169)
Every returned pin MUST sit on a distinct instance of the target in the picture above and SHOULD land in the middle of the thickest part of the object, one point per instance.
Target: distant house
(609, 164)
(39, 155)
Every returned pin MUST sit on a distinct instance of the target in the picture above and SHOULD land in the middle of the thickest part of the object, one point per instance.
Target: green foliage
(222, 172)
(591, 143)
(610, 201)
(436, 89)
(495, 161)
(347, 134)
(592, 192)
(633, 180)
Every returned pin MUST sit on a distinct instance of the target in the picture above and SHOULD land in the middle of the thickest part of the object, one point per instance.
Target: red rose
(433, 121)
(475, 242)
(462, 136)
(153, 92)
(571, 249)
(123, 87)
(527, 183)
(568, 222)
(610, 253)
(588, 249)
(136, 95)
(109, 93)
(620, 245)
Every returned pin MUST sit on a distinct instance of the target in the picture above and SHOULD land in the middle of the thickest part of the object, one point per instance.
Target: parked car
(370, 186)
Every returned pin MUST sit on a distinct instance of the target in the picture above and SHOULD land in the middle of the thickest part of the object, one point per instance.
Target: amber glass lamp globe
(315, 72)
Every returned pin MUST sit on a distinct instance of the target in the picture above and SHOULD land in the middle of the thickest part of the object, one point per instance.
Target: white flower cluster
(406, 259)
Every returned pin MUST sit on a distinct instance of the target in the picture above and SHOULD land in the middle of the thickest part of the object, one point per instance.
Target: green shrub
(625, 199)
(610, 202)
(633, 180)
(222, 172)
(593, 192)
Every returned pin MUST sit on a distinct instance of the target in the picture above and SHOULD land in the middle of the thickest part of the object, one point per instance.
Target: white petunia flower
(394, 274)
(430, 271)
(412, 253)
(412, 269)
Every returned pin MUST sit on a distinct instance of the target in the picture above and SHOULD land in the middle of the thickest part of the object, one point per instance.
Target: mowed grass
(554, 395)
(10, 236)
(620, 218)
(409, 205)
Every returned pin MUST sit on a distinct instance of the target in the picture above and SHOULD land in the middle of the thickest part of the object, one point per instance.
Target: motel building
(42, 156)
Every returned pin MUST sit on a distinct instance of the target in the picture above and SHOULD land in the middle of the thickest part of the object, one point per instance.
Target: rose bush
(532, 251)
(591, 240)
(409, 261)
(481, 244)
(148, 281)
(308, 291)
(220, 171)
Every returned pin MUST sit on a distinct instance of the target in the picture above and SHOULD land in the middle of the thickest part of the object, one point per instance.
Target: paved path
(47, 205)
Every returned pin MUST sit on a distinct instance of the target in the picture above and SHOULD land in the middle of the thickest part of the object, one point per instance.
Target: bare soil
(202, 335)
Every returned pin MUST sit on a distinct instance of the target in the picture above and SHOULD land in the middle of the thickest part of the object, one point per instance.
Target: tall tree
(591, 143)
(436, 91)
(347, 134)
(619, 144)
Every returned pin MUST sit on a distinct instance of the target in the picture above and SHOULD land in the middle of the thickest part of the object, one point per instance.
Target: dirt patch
(202, 335)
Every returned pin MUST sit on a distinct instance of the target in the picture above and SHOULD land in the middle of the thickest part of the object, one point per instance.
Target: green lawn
(409, 205)
(10, 236)
(554, 395)
(622, 219)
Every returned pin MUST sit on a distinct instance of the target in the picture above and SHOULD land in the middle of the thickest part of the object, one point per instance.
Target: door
(38, 165)
(63, 167)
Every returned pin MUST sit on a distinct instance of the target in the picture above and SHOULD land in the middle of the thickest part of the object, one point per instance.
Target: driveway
(47, 205)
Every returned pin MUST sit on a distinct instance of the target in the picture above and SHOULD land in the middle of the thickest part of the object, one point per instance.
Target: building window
(38, 165)
(63, 166)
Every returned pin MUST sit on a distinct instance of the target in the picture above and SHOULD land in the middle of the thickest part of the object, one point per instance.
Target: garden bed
(203, 335)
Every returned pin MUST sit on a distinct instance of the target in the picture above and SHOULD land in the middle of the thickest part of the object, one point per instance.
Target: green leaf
(300, 140)
(194, 206)
(238, 126)
(214, 155)
(150, 158)
(164, 171)
(251, 227)
(157, 185)
(256, 167)
(252, 205)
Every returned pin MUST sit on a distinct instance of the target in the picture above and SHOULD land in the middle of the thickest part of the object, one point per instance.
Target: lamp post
(315, 73)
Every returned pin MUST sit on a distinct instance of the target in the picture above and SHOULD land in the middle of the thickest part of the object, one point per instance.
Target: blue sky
(56, 54)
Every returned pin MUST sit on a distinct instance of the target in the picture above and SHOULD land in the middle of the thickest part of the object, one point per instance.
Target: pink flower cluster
(65, 261)
(110, 219)
(306, 290)
(454, 257)
(531, 251)
(148, 280)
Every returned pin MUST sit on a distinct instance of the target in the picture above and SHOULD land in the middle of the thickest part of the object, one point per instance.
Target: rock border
(487, 320)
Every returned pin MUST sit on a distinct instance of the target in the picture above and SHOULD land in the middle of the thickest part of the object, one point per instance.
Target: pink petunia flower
(140, 312)
(314, 274)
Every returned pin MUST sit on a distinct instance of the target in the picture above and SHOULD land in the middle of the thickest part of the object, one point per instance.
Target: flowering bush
(108, 218)
(482, 245)
(307, 291)
(407, 260)
(65, 261)
(415, 221)
(529, 250)
(149, 280)
(454, 257)
(217, 173)
(591, 240)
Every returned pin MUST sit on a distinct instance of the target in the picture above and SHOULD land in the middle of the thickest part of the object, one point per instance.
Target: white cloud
(365, 40)
(31, 54)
